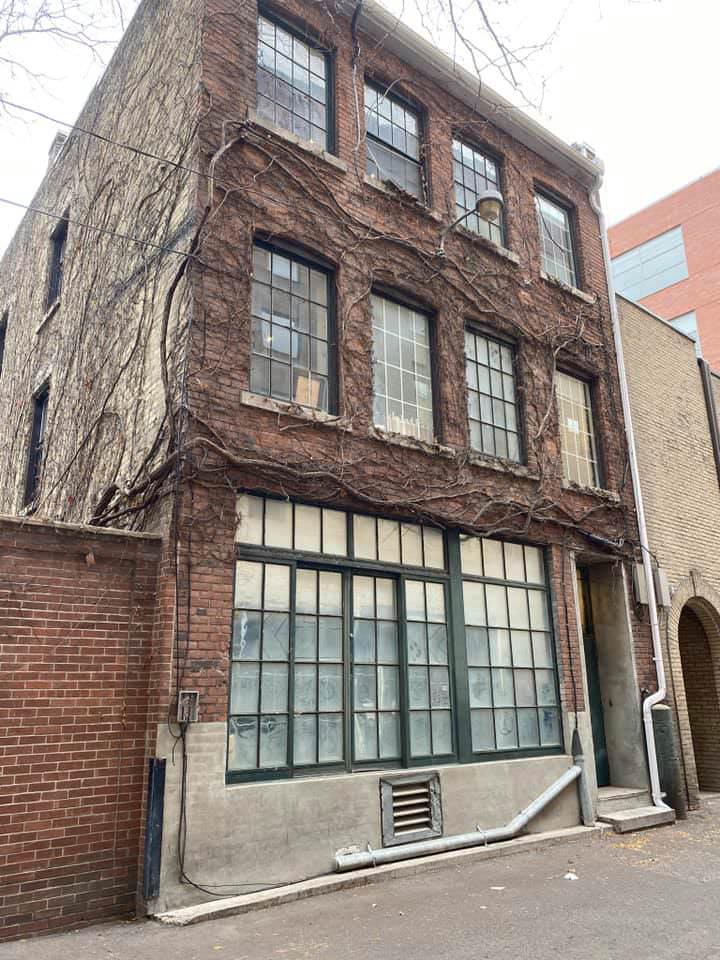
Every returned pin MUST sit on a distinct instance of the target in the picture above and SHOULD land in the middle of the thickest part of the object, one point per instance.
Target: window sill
(488, 245)
(411, 443)
(283, 408)
(307, 145)
(50, 312)
(501, 466)
(573, 291)
(390, 190)
(598, 492)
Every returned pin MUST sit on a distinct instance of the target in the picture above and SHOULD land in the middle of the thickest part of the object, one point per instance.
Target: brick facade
(702, 698)
(76, 623)
(696, 208)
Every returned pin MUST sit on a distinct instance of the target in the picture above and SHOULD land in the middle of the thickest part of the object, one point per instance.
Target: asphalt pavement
(654, 894)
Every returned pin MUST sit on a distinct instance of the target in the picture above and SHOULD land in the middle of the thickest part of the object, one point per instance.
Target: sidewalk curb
(234, 906)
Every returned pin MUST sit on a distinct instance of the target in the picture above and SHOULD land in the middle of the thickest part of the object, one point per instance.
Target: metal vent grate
(411, 808)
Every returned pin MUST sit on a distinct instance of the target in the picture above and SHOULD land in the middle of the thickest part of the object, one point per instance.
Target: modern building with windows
(667, 258)
(344, 341)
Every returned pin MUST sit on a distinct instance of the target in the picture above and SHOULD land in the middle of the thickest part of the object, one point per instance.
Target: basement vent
(410, 808)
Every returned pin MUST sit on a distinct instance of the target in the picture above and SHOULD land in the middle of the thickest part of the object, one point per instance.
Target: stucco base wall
(265, 833)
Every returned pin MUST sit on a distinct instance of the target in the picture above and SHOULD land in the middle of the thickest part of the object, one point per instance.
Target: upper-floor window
(474, 173)
(3, 332)
(291, 329)
(58, 240)
(577, 433)
(492, 410)
(403, 401)
(393, 141)
(651, 266)
(556, 240)
(292, 83)
(37, 445)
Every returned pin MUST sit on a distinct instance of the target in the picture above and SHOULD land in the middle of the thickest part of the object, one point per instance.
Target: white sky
(636, 79)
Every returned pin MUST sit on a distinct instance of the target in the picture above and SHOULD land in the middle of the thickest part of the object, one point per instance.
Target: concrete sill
(501, 466)
(573, 291)
(307, 145)
(50, 312)
(598, 492)
(397, 194)
(285, 409)
(411, 443)
(485, 244)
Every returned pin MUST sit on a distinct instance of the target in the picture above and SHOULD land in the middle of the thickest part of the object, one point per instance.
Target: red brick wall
(702, 698)
(697, 208)
(76, 613)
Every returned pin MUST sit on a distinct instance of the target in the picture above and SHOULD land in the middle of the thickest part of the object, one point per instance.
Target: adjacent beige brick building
(681, 489)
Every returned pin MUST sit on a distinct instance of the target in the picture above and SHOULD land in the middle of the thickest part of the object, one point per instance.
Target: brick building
(384, 450)
(667, 257)
(674, 399)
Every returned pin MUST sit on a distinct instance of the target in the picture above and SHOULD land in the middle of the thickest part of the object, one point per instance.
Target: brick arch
(703, 600)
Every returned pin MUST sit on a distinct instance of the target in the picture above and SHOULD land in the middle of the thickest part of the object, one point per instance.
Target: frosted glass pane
(439, 687)
(248, 584)
(416, 642)
(389, 735)
(483, 732)
(247, 627)
(500, 655)
(514, 566)
(250, 519)
(493, 559)
(420, 734)
(306, 591)
(244, 690)
(305, 638)
(331, 593)
(364, 688)
(546, 693)
(525, 688)
(274, 688)
(389, 541)
(496, 606)
(385, 597)
(534, 565)
(276, 636)
(437, 644)
(305, 688)
(542, 649)
(505, 729)
(242, 744)
(479, 685)
(363, 641)
(478, 651)
(503, 690)
(277, 587)
(434, 553)
(528, 728)
(278, 523)
(538, 610)
(363, 597)
(474, 600)
(549, 728)
(330, 738)
(365, 732)
(389, 688)
(304, 740)
(364, 537)
(330, 638)
(414, 600)
(411, 537)
(418, 687)
(335, 532)
(307, 528)
(521, 649)
(330, 687)
(435, 594)
(441, 732)
(470, 556)
(518, 606)
(273, 741)
(387, 642)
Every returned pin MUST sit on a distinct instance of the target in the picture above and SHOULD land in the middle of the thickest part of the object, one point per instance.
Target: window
(58, 240)
(652, 266)
(291, 325)
(36, 449)
(348, 659)
(292, 83)
(687, 324)
(511, 677)
(474, 173)
(492, 411)
(577, 435)
(3, 332)
(401, 368)
(393, 141)
(556, 242)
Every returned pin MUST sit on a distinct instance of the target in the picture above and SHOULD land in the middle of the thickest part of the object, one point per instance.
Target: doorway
(592, 671)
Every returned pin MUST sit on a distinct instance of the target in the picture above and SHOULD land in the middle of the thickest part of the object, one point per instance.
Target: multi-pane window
(401, 369)
(556, 241)
(475, 173)
(290, 352)
(492, 408)
(37, 446)
(58, 241)
(292, 83)
(393, 141)
(577, 434)
(511, 674)
(351, 660)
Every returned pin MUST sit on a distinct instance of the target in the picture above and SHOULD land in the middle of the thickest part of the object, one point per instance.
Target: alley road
(654, 894)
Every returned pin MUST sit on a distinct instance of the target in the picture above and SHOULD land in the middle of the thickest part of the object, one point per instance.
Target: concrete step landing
(638, 818)
(614, 799)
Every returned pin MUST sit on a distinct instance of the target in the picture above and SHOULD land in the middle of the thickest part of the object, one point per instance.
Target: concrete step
(638, 818)
(612, 799)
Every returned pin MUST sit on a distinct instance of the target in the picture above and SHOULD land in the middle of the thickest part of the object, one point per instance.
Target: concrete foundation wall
(281, 832)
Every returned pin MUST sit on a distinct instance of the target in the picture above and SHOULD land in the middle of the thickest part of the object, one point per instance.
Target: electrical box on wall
(639, 585)
(662, 588)
(187, 711)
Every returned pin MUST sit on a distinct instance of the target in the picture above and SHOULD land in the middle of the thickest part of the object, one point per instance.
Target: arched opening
(701, 693)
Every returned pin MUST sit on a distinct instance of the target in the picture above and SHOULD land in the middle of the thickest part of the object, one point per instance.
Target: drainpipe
(661, 692)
